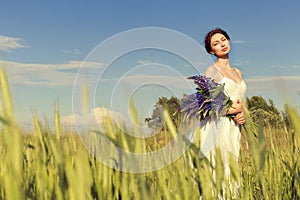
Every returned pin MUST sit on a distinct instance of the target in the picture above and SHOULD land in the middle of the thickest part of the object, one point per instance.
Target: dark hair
(209, 35)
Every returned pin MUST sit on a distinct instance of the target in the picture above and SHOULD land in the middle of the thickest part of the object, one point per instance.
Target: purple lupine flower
(219, 102)
(209, 100)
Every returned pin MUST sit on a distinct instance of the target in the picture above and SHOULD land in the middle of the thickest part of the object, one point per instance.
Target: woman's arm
(237, 107)
(238, 110)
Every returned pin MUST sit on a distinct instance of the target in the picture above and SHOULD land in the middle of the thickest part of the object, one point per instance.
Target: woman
(224, 133)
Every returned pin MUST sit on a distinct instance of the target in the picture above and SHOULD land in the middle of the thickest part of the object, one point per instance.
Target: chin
(223, 54)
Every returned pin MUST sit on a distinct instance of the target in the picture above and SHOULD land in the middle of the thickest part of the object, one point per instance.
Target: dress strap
(215, 66)
(238, 72)
(235, 69)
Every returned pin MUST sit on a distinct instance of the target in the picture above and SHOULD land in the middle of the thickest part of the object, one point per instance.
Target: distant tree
(163, 103)
(259, 107)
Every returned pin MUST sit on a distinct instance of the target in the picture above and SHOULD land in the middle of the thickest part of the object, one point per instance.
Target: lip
(224, 49)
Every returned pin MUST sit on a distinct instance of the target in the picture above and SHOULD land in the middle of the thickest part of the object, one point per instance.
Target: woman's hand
(240, 118)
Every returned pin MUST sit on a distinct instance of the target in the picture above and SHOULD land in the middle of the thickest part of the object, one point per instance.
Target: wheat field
(54, 164)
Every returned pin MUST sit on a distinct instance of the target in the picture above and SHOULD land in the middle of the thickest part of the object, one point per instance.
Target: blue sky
(42, 44)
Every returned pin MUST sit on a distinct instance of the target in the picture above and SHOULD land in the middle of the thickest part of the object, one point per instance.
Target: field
(54, 164)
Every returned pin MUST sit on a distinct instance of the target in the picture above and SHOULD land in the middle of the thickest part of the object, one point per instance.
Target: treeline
(263, 111)
(260, 110)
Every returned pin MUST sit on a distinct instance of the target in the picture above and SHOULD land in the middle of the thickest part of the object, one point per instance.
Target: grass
(54, 164)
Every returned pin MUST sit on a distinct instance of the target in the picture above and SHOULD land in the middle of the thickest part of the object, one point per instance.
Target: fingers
(240, 118)
(240, 121)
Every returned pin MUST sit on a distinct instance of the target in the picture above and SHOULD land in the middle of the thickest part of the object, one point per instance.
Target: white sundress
(223, 132)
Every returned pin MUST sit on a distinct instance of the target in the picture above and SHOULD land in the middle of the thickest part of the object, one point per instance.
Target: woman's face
(220, 45)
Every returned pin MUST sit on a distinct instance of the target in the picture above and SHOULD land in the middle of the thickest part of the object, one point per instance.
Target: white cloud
(9, 43)
(286, 67)
(273, 78)
(281, 89)
(179, 82)
(46, 74)
(239, 42)
(280, 84)
(143, 62)
(239, 63)
(71, 51)
(97, 117)
(200, 63)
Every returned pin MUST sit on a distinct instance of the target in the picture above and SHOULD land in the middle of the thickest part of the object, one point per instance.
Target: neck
(223, 63)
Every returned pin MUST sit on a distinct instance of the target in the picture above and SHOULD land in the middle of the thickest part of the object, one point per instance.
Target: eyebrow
(218, 39)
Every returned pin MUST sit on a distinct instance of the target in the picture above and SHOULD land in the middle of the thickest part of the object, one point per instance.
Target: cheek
(216, 48)
(228, 43)
(213, 51)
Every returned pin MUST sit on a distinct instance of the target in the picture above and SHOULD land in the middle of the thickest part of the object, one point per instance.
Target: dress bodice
(234, 90)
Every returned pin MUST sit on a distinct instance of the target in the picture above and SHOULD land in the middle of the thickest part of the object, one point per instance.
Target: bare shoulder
(238, 71)
(210, 70)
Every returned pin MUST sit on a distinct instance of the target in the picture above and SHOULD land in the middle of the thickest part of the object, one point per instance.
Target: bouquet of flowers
(209, 100)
